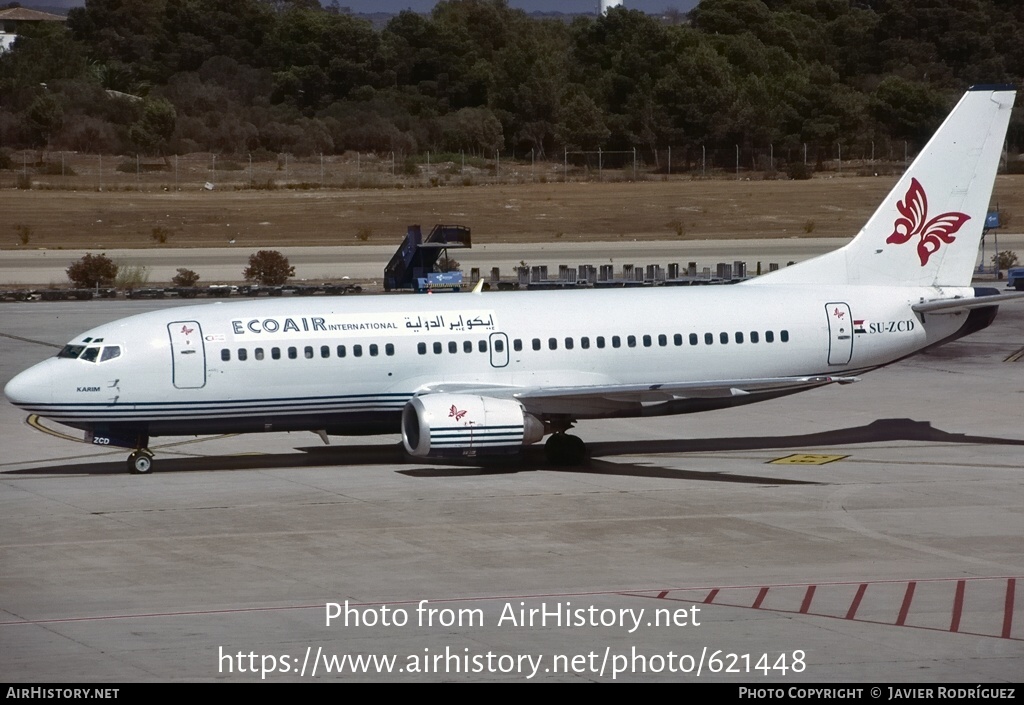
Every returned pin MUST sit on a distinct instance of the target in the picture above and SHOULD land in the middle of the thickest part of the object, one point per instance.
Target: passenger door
(188, 355)
(840, 333)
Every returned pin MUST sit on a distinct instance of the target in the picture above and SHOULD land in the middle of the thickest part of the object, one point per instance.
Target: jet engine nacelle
(452, 425)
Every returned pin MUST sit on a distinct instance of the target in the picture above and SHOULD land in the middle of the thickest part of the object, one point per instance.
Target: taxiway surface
(897, 559)
(38, 267)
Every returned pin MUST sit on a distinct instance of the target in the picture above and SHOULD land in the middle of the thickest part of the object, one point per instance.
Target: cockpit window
(90, 353)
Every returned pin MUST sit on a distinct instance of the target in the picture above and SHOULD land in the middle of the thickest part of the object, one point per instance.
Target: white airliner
(487, 373)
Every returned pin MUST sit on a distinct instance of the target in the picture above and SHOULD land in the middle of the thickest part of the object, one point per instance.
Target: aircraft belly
(343, 423)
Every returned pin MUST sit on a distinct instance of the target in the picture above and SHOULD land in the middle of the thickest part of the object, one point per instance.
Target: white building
(14, 17)
(607, 5)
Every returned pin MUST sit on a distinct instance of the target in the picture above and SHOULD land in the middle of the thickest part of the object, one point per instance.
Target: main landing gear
(565, 450)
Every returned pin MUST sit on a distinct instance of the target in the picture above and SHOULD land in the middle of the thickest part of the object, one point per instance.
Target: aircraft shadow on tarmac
(882, 430)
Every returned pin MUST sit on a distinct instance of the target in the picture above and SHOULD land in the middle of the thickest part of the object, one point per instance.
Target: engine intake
(455, 425)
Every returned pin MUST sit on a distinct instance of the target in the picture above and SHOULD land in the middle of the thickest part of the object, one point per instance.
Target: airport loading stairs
(417, 257)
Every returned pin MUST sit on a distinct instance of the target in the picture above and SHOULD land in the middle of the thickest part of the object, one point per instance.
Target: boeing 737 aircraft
(487, 373)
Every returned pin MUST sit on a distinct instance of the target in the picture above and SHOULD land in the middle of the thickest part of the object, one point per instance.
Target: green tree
(92, 271)
(268, 268)
(152, 132)
(45, 116)
(472, 129)
(582, 124)
(908, 110)
(185, 277)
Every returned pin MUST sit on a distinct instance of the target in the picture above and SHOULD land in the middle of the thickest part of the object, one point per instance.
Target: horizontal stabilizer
(961, 304)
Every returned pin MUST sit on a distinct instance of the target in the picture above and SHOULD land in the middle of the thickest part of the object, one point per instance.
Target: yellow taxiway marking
(36, 422)
(1015, 356)
(807, 459)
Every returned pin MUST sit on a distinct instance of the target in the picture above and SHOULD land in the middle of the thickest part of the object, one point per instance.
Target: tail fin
(927, 230)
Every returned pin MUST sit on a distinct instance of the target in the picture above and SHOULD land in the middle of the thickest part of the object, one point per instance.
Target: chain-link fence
(73, 170)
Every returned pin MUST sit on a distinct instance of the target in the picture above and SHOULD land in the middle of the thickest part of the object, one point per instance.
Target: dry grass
(533, 212)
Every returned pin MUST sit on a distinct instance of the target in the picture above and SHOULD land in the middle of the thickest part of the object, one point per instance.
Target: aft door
(188, 354)
(499, 349)
(840, 333)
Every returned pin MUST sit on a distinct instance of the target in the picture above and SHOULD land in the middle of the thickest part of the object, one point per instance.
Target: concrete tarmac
(683, 551)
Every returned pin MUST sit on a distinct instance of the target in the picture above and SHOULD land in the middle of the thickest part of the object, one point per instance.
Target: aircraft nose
(33, 386)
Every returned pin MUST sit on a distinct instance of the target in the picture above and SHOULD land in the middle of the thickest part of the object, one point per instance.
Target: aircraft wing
(587, 399)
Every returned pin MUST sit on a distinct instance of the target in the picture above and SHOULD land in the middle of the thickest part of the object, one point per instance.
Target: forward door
(188, 354)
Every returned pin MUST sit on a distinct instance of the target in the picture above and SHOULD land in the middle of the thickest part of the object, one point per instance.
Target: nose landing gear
(140, 462)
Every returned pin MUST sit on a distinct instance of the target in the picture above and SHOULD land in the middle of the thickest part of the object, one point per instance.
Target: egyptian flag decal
(860, 326)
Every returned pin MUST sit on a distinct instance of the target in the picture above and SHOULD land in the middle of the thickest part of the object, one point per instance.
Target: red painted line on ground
(852, 612)
(958, 605)
(1011, 588)
(641, 592)
(908, 597)
(661, 595)
(760, 598)
(808, 596)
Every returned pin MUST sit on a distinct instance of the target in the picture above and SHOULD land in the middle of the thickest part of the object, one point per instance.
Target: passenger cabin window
(723, 338)
(275, 353)
(374, 350)
(308, 352)
(568, 343)
(753, 336)
(421, 348)
(325, 351)
(536, 343)
(739, 337)
(585, 343)
(499, 345)
(342, 351)
(552, 343)
(357, 350)
(258, 353)
(453, 347)
(467, 346)
(616, 342)
(784, 336)
(293, 353)
(517, 345)
(389, 349)
(438, 349)
(769, 337)
(243, 354)
(600, 341)
(631, 341)
(482, 346)
(709, 339)
(693, 339)
(225, 355)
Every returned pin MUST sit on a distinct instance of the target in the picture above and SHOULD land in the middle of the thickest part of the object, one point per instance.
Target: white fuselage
(349, 365)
